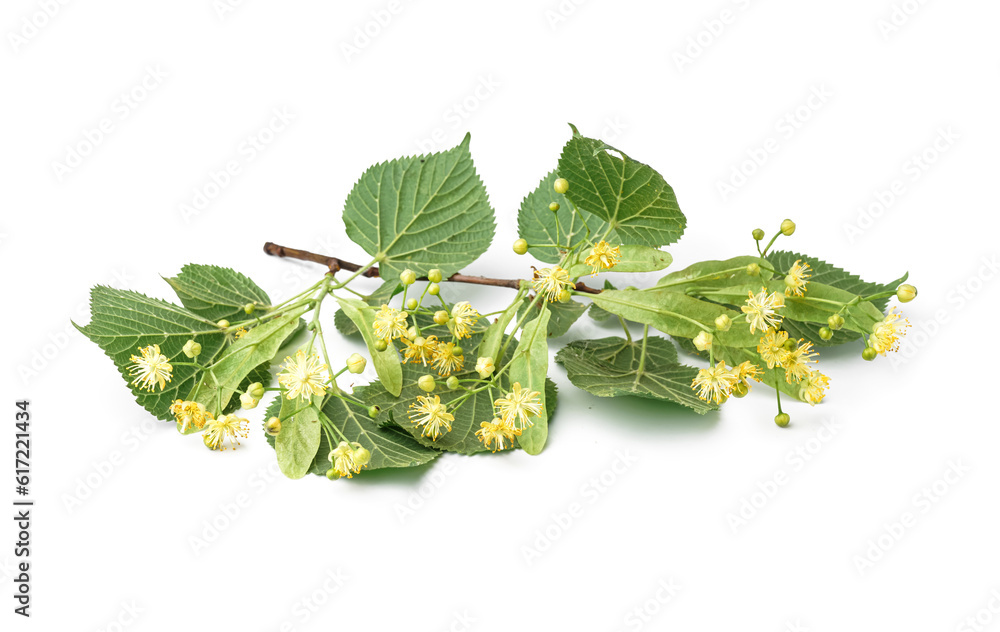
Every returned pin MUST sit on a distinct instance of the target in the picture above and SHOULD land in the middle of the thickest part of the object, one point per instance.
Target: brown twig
(334, 265)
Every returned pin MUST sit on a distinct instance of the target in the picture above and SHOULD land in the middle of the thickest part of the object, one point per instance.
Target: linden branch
(334, 265)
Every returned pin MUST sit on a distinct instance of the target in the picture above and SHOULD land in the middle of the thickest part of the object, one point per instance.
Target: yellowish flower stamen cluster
(348, 459)
(150, 369)
(797, 279)
(887, 332)
(446, 359)
(390, 323)
(797, 361)
(761, 308)
(428, 411)
(189, 413)
(513, 414)
(716, 383)
(304, 376)
(463, 317)
(421, 349)
(225, 427)
(603, 256)
(549, 282)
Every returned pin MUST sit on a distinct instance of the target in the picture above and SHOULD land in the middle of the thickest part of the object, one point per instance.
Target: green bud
(825, 333)
(249, 308)
(521, 246)
(869, 354)
(740, 390)
(332, 474)
(906, 293)
(835, 322)
(426, 383)
(554, 207)
(381, 345)
(191, 349)
(782, 420)
(247, 401)
(361, 454)
(790, 345)
(373, 411)
(457, 350)
(452, 383)
(273, 426)
(787, 228)
(433, 289)
(564, 296)
(408, 277)
(561, 185)
(222, 324)
(441, 317)
(356, 363)
(207, 440)
(758, 234)
(723, 322)
(256, 390)
(434, 276)
(753, 269)
(411, 303)
(412, 333)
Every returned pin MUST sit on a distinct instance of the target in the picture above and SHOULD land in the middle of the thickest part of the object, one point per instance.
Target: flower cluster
(513, 413)
(347, 460)
(716, 383)
(303, 376)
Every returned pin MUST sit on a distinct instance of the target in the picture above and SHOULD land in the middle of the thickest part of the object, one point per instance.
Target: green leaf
(386, 362)
(634, 259)
(298, 442)
(537, 224)
(344, 324)
(633, 198)
(121, 322)
(675, 314)
(599, 313)
(530, 367)
(217, 293)
(561, 315)
(421, 213)
(714, 274)
(490, 346)
(610, 367)
(257, 347)
(379, 297)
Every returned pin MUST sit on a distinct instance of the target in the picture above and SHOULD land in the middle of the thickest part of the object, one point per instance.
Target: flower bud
(247, 401)
(790, 344)
(452, 383)
(441, 317)
(381, 345)
(191, 349)
(825, 333)
(373, 411)
(433, 289)
(782, 419)
(521, 246)
(222, 324)
(361, 454)
(564, 296)
(256, 390)
(740, 389)
(758, 233)
(411, 303)
(723, 322)
(835, 322)
(787, 228)
(426, 383)
(332, 474)
(561, 185)
(249, 308)
(273, 426)
(356, 363)
(703, 341)
(435, 276)
(485, 367)
(408, 277)
(753, 269)
(412, 333)
(554, 207)
(869, 354)
(906, 293)
(457, 350)
(207, 440)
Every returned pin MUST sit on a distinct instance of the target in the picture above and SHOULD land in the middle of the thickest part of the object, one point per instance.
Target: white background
(121, 499)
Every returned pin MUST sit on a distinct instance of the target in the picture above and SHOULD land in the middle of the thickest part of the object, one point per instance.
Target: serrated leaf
(122, 321)
(632, 197)
(610, 367)
(217, 293)
(344, 324)
(538, 225)
(561, 315)
(529, 367)
(633, 259)
(298, 442)
(386, 362)
(421, 213)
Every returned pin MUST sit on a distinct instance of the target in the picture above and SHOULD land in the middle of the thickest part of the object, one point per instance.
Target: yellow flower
(887, 332)
(495, 433)
(795, 280)
(463, 317)
(420, 349)
(446, 360)
(603, 257)
(150, 369)
(746, 370)
(797, 363)
(239, 333)
(390, 323)
(303, 376)
(432, 415)
(812, 388)
(760, 310)
(225, 427)
(517, 407)
(714, 383)
(342, 458)
(549, 282)
(485, 367)
(188, 413)
(772, 348)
